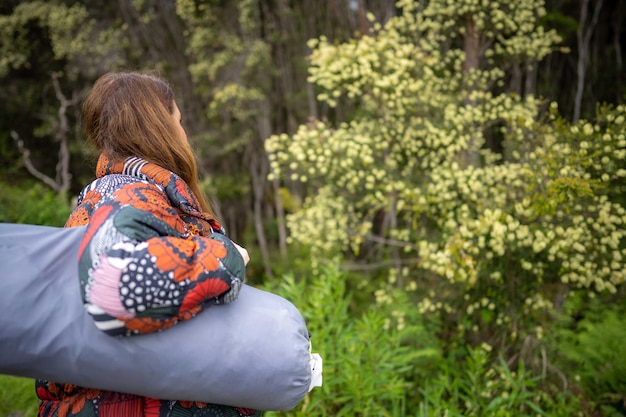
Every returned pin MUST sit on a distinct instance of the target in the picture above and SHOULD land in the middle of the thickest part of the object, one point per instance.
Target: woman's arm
(140, 271)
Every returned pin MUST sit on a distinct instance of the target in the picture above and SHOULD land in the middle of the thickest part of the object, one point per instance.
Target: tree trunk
(60, 130)
(583, 37)
(515, 85)
(471, 47)
(617, 19)
(259, 169)
(531, 78)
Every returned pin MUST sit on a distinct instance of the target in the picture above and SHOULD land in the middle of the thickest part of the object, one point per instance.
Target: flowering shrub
(489, 240)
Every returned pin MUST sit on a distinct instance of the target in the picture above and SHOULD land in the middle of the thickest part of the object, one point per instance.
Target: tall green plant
(476, 386)
(369, 361)
(588, 348)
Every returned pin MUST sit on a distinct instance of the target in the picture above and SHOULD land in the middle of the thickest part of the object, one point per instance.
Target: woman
(153, 253)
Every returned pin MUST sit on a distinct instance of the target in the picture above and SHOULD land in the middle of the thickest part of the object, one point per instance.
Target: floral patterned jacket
(149, 259)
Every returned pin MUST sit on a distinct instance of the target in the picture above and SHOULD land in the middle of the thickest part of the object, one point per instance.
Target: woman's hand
(244, 253)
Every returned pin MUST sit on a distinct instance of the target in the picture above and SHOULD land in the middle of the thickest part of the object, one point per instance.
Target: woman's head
(134, 114)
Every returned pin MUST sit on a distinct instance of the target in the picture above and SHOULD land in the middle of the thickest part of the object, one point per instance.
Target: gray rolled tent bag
(253, 352)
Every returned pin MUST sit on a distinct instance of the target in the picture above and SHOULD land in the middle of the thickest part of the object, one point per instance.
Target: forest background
(438, 185)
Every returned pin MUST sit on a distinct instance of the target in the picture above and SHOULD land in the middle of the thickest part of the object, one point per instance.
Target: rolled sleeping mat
(253, 352)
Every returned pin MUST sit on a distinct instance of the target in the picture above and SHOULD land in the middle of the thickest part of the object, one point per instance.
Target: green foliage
(592, 351)
(476, 386)
(68, 30)
(218, 55)
(17, 397)
(565, 25)
(49, 52)
(368, 358)
(32, 203)
(380, 362)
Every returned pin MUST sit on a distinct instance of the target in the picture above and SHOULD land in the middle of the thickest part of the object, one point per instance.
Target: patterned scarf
(177, 190)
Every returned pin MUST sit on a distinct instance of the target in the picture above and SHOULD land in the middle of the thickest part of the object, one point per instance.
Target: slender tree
(586, 28)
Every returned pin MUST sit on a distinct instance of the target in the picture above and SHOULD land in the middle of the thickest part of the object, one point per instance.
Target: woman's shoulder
(106, 189)
(106, 185)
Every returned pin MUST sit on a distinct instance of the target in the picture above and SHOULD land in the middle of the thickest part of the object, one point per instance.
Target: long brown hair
(130, 114)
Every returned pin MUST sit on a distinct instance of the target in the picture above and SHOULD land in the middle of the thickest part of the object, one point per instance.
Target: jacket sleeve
(141, 271)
